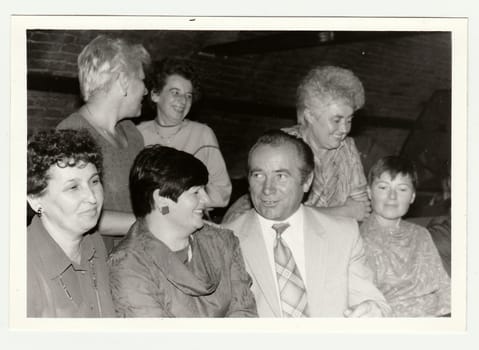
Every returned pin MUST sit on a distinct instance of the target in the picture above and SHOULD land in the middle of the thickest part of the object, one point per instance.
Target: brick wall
(400, 75)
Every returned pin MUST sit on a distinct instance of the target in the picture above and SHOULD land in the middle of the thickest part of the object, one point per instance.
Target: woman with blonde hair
(111, 75)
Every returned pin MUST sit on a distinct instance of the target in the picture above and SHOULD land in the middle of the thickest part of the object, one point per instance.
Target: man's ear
(307, 182)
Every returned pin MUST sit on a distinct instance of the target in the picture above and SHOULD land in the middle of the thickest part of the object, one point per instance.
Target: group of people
(291, 247)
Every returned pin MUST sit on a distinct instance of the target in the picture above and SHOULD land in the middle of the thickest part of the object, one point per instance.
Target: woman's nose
(392, 194)
(90, 195)
(204, 196)
(181, 98)
(344, 127)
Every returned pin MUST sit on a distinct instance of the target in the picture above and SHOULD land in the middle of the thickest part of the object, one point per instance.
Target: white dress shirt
(293, 236)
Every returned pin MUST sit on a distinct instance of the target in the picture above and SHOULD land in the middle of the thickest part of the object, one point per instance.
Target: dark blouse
(149, 280)
(58, 287)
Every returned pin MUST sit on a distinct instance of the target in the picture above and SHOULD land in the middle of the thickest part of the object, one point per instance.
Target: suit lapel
(316, 249)
(254, 252)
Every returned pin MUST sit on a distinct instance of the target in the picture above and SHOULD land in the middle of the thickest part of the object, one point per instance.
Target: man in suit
(303, 263)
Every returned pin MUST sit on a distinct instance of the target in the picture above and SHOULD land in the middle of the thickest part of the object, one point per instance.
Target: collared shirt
(337, 175)
(293, 236)
(58, 287)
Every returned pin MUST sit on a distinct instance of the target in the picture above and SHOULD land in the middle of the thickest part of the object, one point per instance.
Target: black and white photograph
(292, 174)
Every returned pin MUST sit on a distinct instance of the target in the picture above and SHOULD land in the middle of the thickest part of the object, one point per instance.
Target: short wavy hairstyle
(325, 84)
(393, 165)
(161, 70)
(61, 148)
(277, 138)
(104, 58)
(169, 170)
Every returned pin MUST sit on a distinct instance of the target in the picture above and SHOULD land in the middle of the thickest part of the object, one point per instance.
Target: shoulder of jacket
(215, 226)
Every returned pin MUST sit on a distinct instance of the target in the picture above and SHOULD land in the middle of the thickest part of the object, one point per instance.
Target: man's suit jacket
(336, 274)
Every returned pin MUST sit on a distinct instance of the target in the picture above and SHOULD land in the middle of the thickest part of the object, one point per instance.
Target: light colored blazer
(336, 274)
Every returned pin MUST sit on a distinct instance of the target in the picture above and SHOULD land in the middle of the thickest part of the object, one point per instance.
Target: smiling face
(187, 212)
(327, 126)
(275, 181)
(71, 203)
(174, 101)
(391, 198)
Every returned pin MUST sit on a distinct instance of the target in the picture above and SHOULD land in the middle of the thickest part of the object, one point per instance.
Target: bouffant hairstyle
(325, 84)
(104, 58)
(277, 138)
(61, 148)
(161, 70)
(166, 169)
(393, 165)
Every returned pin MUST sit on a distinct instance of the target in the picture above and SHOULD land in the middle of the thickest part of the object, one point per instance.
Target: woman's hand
(358, 209)
(368, 308)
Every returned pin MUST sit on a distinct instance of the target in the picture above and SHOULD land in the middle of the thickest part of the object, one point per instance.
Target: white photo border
(18, 133)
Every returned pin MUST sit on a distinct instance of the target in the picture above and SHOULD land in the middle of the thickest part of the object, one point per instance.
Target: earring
(39, 212)
(165, 210)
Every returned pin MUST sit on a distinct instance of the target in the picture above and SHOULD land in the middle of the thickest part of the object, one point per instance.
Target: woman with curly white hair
(326, 100)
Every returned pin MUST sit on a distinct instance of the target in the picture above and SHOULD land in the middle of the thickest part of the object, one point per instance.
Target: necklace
(166, 140)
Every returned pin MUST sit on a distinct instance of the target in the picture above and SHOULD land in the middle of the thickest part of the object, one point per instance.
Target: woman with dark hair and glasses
(67, 275)
(172, 263)
(173, 88)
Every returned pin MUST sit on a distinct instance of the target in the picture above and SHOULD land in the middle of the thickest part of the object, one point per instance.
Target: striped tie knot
(280, 228)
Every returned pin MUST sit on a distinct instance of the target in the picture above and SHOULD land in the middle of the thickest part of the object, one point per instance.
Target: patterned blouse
(337, 175)
(408, 269)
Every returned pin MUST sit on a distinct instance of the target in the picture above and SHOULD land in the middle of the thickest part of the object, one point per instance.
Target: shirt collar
(54, 258)
(293, 220)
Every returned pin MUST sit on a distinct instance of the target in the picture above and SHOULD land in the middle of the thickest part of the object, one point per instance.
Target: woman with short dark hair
(173, 89)
(172, 263)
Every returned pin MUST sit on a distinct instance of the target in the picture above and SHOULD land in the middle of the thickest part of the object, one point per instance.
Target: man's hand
(368, 308)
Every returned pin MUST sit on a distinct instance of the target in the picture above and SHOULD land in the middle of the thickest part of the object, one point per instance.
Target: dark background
(248, 82)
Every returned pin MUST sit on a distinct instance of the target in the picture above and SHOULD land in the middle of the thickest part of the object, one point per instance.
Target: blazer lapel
(316, 248)
(256, 257)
